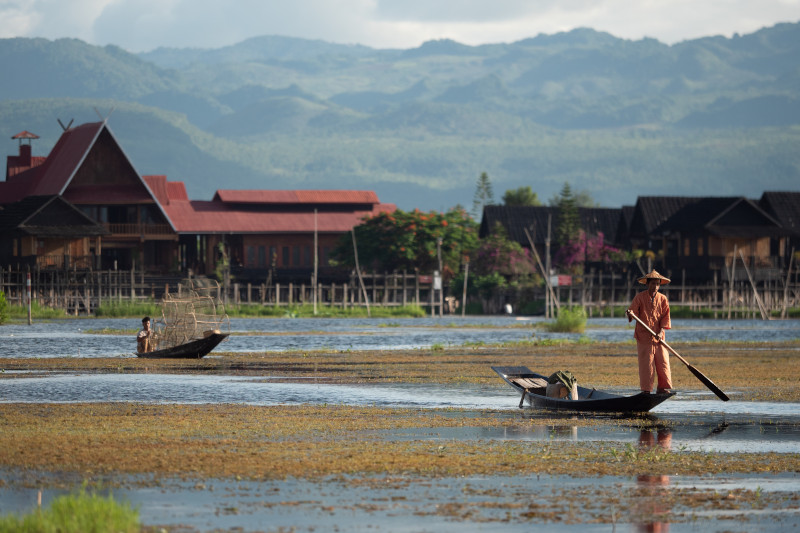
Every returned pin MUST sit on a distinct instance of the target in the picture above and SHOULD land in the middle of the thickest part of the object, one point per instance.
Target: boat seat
(534, 385)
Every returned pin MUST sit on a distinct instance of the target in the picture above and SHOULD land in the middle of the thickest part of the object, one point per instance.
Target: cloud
(49, 18)
(211, 23)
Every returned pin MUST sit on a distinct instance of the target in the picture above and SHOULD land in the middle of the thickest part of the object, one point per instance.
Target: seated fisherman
(143, 344)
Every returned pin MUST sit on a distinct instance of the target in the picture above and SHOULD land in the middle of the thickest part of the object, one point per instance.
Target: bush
(76, 513)
(3, 308)
(570, 320)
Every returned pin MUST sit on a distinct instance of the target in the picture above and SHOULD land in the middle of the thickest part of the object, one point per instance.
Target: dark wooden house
(697, 236)
(784, 206)
(47, 231)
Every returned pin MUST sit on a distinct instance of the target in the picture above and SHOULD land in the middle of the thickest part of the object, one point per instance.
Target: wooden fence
(81, 291)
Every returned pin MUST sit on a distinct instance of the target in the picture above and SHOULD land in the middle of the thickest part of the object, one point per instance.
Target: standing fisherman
(652, 308)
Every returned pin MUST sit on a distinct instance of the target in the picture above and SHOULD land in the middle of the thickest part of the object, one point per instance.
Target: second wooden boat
(528, 385)
(191, 322)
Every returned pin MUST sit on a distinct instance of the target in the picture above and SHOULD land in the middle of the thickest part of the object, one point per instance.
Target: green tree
(582, 199)
(483, 196)
(521, 196)
(407, 240)
(569, 221)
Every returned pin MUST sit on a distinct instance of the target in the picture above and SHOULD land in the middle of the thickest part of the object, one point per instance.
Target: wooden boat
(191, 322)
(589, 400)
(194, 349)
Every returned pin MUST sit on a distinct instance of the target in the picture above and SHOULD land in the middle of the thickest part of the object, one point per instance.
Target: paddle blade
(708, 383)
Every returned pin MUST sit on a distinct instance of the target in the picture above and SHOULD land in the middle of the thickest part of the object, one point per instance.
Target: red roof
(218, 217)
(52, 176)
(14, 166)
(296, 197)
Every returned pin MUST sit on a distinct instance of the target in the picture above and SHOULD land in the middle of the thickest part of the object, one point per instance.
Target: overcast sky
(142, 25)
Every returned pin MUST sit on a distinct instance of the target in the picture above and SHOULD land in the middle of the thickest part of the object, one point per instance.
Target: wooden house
(264, 232)
(150, 222)
(47, 231)
(88, 168)
(697, 236)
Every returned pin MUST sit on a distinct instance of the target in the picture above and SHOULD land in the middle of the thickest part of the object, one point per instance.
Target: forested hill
(613, 117)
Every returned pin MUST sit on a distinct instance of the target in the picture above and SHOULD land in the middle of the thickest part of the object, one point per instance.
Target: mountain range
(615, 118)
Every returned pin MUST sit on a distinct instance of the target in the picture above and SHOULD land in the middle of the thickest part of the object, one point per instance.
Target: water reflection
(654, 508)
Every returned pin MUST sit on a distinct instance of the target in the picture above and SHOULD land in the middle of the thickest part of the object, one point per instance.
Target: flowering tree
(582, 248)
(497, 253)
(408, 240)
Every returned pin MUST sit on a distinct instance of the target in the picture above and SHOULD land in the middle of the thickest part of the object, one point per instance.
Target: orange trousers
(653, 362)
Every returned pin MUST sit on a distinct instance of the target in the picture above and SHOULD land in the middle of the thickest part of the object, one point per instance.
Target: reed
(37, 311)
(76, 513)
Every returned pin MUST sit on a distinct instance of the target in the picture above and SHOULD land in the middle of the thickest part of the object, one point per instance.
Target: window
(700, 249)
(262, 256)
(286, 257)
(273, 256)
(251, 256)
(307, 256)
(295, 255)
(687, 247)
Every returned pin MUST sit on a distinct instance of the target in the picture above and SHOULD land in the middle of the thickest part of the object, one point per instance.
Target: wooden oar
(699, 375)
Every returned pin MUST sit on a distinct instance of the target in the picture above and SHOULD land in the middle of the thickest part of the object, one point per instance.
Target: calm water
(690, 421)
(69, 337)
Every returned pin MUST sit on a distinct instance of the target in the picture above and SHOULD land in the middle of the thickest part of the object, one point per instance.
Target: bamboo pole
(764, 314)
(358, 271)
(546, 277)
(786, 285)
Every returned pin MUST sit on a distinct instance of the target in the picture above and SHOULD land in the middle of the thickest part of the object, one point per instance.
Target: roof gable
(722, 215)
(785, 207)
(47, 216)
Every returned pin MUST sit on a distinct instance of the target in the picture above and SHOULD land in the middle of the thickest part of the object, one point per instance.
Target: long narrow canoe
(191, 350)
(589, 400)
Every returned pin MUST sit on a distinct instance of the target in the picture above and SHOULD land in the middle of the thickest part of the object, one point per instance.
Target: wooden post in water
(786, 285)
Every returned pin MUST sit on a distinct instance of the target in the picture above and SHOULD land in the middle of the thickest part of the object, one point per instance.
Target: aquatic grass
(317, 441)
(38, 312)
(79, 512)
(569, 320)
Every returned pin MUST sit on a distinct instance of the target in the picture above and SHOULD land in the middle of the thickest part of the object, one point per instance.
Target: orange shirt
(653, 312)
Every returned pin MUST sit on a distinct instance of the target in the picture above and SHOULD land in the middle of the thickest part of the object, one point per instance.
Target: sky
(143, 25)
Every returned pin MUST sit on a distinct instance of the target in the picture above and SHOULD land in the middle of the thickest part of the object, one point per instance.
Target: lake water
(695, 421)
(69, 337)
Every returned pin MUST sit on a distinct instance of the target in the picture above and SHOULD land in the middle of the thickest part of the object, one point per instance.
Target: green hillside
(616, 118)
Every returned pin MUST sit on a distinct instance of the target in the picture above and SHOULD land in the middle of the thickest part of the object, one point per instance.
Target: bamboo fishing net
(194, 312)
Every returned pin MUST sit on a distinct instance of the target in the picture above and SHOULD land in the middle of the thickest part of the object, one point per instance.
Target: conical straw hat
(653, 275)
